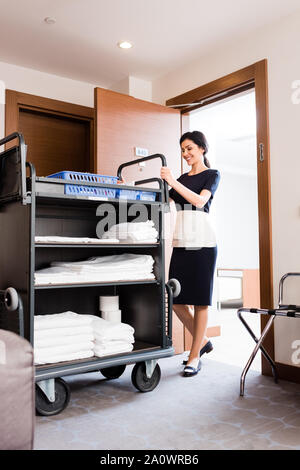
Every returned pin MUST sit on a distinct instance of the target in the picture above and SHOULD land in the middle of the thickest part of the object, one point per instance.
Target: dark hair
(199, 139)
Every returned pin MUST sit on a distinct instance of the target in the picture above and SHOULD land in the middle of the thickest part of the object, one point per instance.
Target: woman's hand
(166, 174)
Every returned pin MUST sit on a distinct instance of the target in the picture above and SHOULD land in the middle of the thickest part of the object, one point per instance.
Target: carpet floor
(201, 412)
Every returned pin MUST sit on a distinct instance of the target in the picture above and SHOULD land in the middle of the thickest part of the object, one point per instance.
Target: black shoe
(207, 348)
(190, 371)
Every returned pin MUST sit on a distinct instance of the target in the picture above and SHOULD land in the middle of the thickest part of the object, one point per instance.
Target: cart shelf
(141, 351)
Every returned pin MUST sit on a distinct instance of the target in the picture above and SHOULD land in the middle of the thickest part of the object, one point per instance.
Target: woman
(194, 245)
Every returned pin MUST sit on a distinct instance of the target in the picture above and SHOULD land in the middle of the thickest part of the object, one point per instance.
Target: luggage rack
(283, 310)
(30, 206)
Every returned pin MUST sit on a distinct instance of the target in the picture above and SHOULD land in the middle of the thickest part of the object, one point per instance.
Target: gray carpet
(202, 412)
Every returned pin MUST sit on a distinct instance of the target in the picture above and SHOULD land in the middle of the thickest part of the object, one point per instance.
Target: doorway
(230, 128)
(253, 76)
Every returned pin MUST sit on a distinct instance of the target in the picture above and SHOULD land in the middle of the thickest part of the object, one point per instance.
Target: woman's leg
(186, 315)
(199, 333)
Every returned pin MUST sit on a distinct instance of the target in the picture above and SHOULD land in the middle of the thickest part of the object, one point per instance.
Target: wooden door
(59, 136)
(123, 123)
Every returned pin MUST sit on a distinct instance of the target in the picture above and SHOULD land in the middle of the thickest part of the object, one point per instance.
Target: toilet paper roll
(108, 303)
(114, 316)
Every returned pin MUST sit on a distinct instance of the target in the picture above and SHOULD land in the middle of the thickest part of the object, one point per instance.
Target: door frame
(16, 101)
(254, 76)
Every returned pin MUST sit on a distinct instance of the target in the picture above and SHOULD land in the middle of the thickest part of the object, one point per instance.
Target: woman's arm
(198, 200)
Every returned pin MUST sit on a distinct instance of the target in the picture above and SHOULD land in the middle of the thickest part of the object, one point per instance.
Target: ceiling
(166, 34)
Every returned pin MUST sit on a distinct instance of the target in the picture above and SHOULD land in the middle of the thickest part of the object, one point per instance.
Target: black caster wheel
(113, 372)
(140, 379)
(175, 286)
(44, 407)
(11, 299)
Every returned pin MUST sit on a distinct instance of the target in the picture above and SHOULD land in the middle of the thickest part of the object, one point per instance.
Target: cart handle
(22, 146)
(170, 311)
(140, 160)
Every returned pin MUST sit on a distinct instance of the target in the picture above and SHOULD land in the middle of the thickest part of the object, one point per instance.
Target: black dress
(194, 267)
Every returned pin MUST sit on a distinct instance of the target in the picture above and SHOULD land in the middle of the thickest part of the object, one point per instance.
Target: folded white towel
(40, 358)
(64, 349)
(98, 269)
(104, 329)
(133, 232)
(61, 340)
(61, 320)
(67, 240)
(100, 351)
(52, 277)
(64, 332)
(125, 261)
(114, 336)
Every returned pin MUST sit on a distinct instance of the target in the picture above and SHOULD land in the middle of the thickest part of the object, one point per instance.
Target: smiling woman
(194, 244)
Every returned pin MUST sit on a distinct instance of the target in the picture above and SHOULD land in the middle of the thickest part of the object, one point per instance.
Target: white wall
(279, 43)
(44, 84)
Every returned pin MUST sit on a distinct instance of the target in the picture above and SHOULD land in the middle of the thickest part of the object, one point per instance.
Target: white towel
(110, 350)
(104, 330)
(98, 269)
(64, 332)
(133, 232)
(64, 349)
(62, 340)
(114, 336)
(67, 240)
(40, 358)
(61, 320)
(124, 262)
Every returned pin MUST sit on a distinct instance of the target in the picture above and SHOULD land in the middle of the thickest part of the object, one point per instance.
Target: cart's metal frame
(282, 310)
(27, 192)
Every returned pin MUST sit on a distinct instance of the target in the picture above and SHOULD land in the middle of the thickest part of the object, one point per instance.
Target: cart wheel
(11, 299)
(140, 379)
(45, 407)
(113, 372)
(175, 286)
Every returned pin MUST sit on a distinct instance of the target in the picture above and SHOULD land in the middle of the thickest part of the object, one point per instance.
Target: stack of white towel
(125, 267)
(62, 337)
(69, 336)
(133, 232)
(112, 338)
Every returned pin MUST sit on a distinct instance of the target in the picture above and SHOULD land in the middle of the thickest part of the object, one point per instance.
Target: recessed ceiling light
(50, 20)
(125, 44)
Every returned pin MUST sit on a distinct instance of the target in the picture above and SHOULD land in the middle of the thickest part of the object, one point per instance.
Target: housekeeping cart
(282, 310)
(32, 206)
